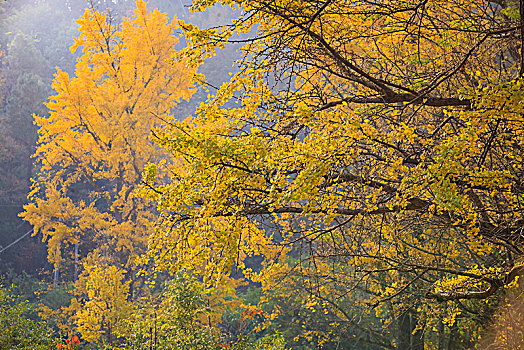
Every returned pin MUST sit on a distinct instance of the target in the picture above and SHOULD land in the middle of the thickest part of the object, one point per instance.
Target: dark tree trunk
(408, 337)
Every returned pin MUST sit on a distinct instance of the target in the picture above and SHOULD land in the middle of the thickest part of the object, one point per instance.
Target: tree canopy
(375, 150)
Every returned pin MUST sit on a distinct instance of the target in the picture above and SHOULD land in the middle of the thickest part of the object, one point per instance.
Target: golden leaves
(93, 147)
(375, 144)
(106, 304)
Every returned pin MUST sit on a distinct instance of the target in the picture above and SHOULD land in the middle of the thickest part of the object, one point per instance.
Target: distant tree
(93, 146)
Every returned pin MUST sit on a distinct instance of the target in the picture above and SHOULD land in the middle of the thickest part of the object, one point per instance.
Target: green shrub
(20, 328)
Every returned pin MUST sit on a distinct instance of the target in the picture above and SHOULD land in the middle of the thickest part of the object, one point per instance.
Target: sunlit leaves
(93, 148)
(379, 143)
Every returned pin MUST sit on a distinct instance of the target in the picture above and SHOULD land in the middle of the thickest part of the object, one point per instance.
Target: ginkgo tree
(374, 160)
(91, 152)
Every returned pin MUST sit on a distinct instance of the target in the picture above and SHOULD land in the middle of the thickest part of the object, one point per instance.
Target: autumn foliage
(365, 163)
(91, 151)
(370, 152)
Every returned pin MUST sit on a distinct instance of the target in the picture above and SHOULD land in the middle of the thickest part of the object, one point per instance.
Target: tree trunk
(57, 269)
(408, 337)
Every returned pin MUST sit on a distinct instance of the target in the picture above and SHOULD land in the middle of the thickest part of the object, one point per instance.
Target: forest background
(264, 175)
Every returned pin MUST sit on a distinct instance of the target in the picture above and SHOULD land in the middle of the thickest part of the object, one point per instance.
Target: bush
(20, 327)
